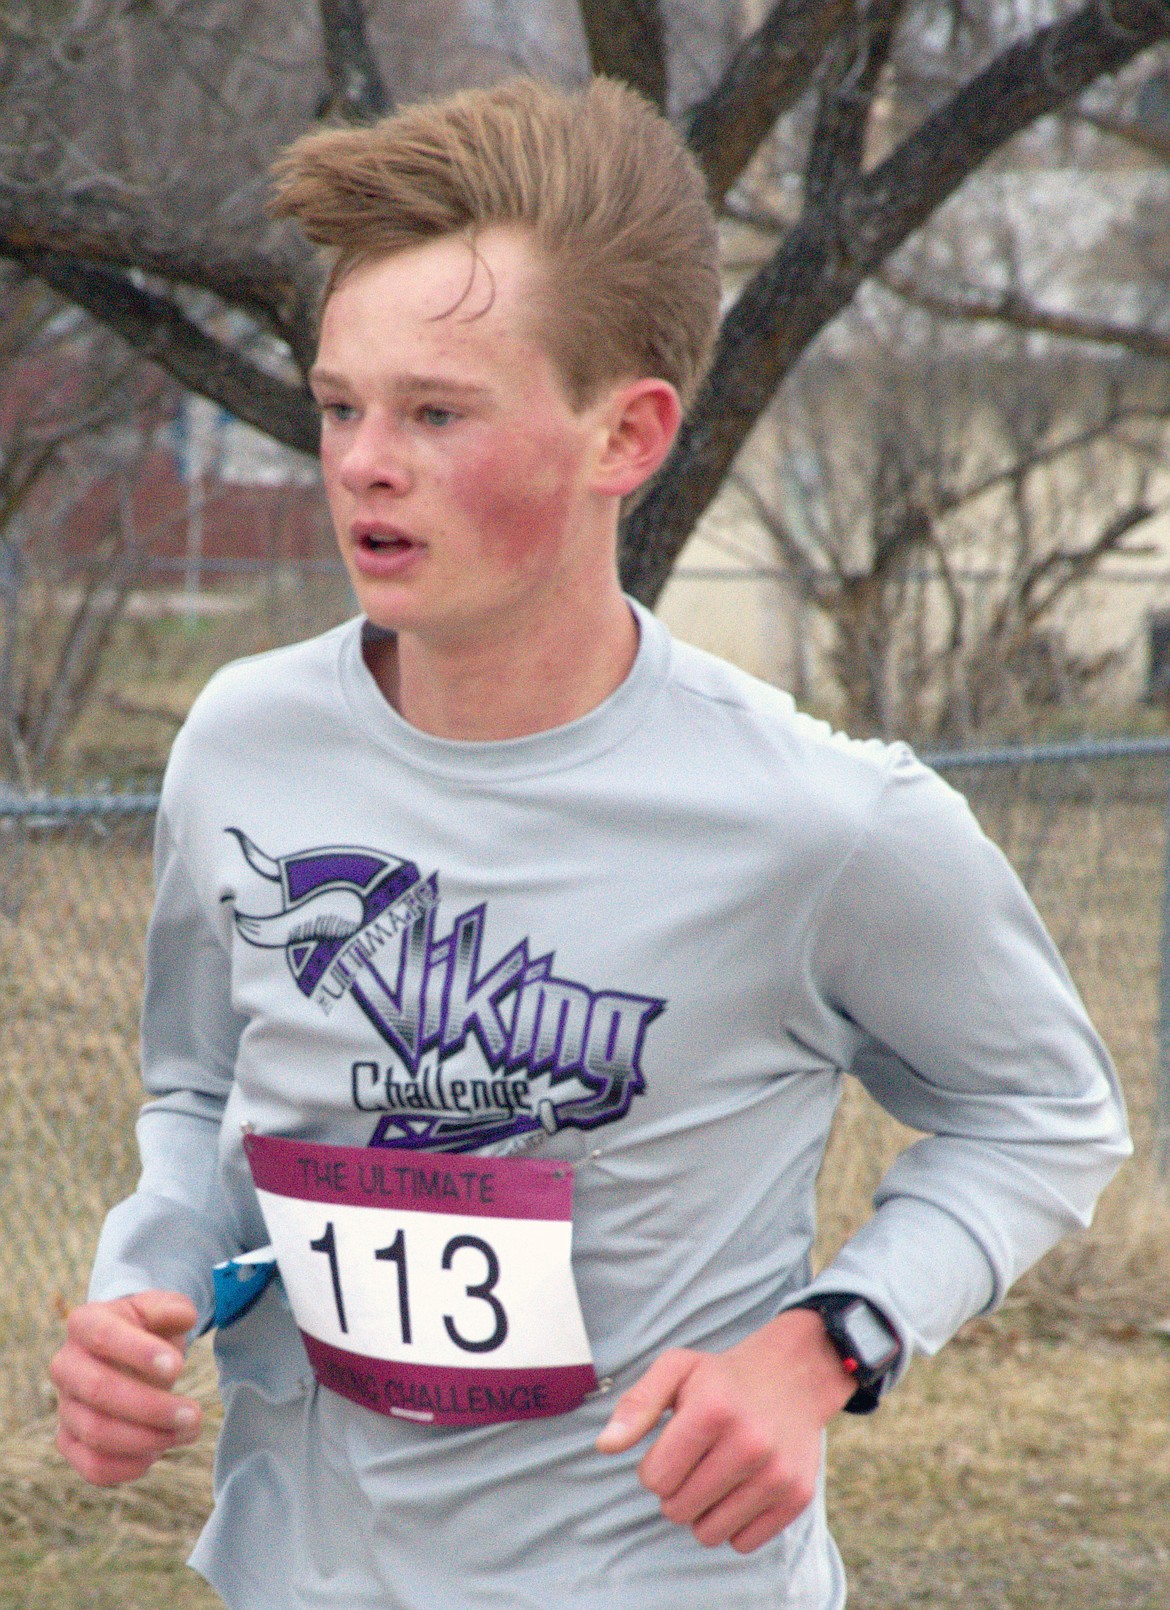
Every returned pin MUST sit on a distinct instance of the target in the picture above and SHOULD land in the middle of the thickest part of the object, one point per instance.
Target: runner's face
(457, 473)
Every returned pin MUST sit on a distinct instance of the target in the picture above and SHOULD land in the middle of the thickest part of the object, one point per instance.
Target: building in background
(215, 506)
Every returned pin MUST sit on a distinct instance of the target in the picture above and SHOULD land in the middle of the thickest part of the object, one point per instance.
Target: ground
(1012, 1475)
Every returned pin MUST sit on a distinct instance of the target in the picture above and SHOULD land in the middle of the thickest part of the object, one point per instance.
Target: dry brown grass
(1010, 1474)
(157, 664)
(73, 908)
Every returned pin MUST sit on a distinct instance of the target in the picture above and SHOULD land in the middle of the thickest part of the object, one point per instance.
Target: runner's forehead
(406, 384)
(422, 314)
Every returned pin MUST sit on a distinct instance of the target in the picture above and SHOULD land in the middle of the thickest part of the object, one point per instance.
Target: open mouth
(375, 543)
(383, 550)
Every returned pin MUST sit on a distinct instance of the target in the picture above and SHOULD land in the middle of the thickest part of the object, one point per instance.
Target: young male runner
(497, 894)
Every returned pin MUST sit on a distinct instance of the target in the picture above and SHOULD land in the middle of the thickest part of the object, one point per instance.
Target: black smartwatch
(868, 1348)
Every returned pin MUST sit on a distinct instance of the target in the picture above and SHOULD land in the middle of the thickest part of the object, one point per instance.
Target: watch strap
(834, 1308)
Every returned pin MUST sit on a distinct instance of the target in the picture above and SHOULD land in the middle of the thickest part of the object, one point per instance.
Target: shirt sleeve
(177, 1225)
(967, 1027)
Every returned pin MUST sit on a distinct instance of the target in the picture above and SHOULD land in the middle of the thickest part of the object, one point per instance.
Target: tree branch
(817, 584)
(358, 92)
(854, 66)
(1128, 128)
(626, 40)
(768, 74)
(1009, 307)
(818, 267)
(761, 218)
(1063, 569)
(101, 226)
(159, 330)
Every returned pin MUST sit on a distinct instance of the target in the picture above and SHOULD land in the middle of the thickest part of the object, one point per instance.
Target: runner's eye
(436, 416)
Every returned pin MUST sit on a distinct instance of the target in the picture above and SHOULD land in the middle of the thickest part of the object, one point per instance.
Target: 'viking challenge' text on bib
(431, 1286)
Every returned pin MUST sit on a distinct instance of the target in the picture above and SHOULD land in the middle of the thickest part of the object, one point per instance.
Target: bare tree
(1115, 114)
(111, 211)
(78, 409)
(938, 512)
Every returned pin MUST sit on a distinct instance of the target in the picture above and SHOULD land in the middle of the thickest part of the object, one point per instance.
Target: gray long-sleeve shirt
(651, 942)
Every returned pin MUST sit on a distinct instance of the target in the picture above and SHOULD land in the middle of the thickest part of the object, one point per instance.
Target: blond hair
(614, 202)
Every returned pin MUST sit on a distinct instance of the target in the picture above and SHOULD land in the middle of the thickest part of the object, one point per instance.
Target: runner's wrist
(823, 1375)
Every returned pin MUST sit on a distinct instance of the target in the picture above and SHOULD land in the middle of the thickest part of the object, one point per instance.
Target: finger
(763, 1528)
(639, 1410)
(101, 1433)
(110, 1333)
(673, 1460)
(103, 1470)
(725, 1466)
(742, 1514)
(168, 1314)
(81, 1377)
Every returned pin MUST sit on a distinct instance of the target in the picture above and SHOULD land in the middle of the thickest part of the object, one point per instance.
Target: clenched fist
(114, 1379)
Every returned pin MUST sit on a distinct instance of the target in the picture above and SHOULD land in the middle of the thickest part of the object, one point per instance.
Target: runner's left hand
(738, 1459)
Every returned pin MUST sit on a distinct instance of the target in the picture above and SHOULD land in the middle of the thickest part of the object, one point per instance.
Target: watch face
(872, 1339)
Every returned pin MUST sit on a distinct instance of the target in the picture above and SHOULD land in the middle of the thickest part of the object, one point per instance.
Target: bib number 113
(464, 1247)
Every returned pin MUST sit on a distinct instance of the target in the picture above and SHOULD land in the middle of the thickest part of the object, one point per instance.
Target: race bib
(428, 1285)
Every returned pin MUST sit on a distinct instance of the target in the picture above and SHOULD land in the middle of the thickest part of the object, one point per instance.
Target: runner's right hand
(114, 1379)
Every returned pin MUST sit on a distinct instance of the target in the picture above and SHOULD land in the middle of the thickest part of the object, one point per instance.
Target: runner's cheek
(518, 494)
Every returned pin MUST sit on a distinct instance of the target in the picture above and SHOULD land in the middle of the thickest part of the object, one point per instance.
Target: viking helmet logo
(326, 896)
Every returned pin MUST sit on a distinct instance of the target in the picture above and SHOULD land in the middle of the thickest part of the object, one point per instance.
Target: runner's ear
(640, 422)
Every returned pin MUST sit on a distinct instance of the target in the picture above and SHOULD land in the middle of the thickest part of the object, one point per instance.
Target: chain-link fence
(74, 898)
(1085, 825)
